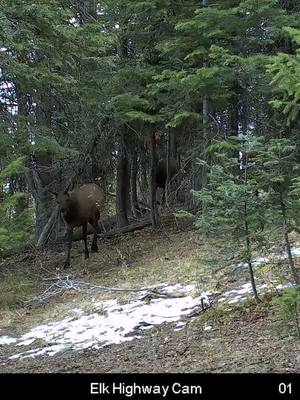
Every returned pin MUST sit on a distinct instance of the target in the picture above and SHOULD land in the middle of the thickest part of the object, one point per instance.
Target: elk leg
(84, 233)
(70, 239)
(94, 247)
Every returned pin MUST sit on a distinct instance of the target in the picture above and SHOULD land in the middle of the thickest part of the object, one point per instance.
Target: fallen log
(77, 235)
(108, 227)
(133, 226)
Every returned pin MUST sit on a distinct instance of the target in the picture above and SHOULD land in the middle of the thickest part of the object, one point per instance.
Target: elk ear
(66, 192)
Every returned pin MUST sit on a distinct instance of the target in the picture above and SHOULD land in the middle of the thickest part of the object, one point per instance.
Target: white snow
(264, 260)
(7, 340)
(109, 322)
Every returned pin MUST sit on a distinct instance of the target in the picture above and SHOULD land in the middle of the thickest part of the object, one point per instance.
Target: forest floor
(236, 337)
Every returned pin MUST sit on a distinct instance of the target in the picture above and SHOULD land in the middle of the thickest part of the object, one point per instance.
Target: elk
(79, 207)
(161, 173)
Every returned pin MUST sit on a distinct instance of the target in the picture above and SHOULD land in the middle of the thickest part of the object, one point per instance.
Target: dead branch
(58, 284)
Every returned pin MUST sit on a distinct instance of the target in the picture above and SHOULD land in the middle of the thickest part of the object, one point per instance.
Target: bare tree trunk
(249, 256)
(48, 228)
(244, 115)
(205, 112)
(153, 204)
(248, 241)
(166, 188)
(133, 179)
(86, 10)
(234, 112)
(123, 183)
(44, 204)
(144, 186)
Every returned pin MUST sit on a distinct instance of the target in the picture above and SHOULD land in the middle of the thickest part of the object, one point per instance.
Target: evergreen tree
(232, 211)
(278, 174)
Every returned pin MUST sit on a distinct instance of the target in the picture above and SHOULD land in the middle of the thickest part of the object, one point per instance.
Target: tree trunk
(44, 204)
(153, 186)
(167, 186)
(86, 10)
(123, 184)
(234, 112)
(143, 178)
(205, 111)
(133, 180)
(173, 149)
(248, 241)
(249, 256)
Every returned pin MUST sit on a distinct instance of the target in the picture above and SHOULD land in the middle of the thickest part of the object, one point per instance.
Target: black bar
(151, 386)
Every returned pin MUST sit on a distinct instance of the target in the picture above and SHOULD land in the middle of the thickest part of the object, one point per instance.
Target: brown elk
(79, 207)
(161, 173)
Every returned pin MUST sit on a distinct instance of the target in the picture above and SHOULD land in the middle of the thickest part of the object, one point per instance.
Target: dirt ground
(242, 338)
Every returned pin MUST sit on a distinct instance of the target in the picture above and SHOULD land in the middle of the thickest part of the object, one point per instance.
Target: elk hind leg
(94, 223)
(84, 233)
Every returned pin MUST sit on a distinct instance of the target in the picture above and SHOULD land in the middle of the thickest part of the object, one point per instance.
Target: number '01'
(284, 388)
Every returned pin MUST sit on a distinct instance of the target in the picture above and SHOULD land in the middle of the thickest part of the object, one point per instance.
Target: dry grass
(140, 259)
(14, 289)
(135, 260)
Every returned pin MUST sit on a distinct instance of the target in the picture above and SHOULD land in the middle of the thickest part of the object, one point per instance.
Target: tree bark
(143, 183)
(44, 204)
(153, 186)
(205, 111)
(167, 186)
(133, 185)
(45, 234)
(234, 112)
(248, 240)
(123, 184)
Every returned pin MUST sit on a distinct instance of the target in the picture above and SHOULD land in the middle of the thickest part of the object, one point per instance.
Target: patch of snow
(7, 340)
(260, 261)
(110, 322)
(179, 326)
(207, 328)
(222, 299)
(264, 260)
(296, 251)
(235, 300)
(284, 286)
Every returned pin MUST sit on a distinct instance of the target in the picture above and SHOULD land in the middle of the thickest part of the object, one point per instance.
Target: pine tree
(278, 174)
(232, 211)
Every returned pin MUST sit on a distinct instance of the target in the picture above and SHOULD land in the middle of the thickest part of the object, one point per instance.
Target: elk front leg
(70, 240)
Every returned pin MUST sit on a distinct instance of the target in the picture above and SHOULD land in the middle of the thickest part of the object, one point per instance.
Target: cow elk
(161, 174)
(79, 207)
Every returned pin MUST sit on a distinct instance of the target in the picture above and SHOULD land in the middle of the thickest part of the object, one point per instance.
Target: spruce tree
(231, 208)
